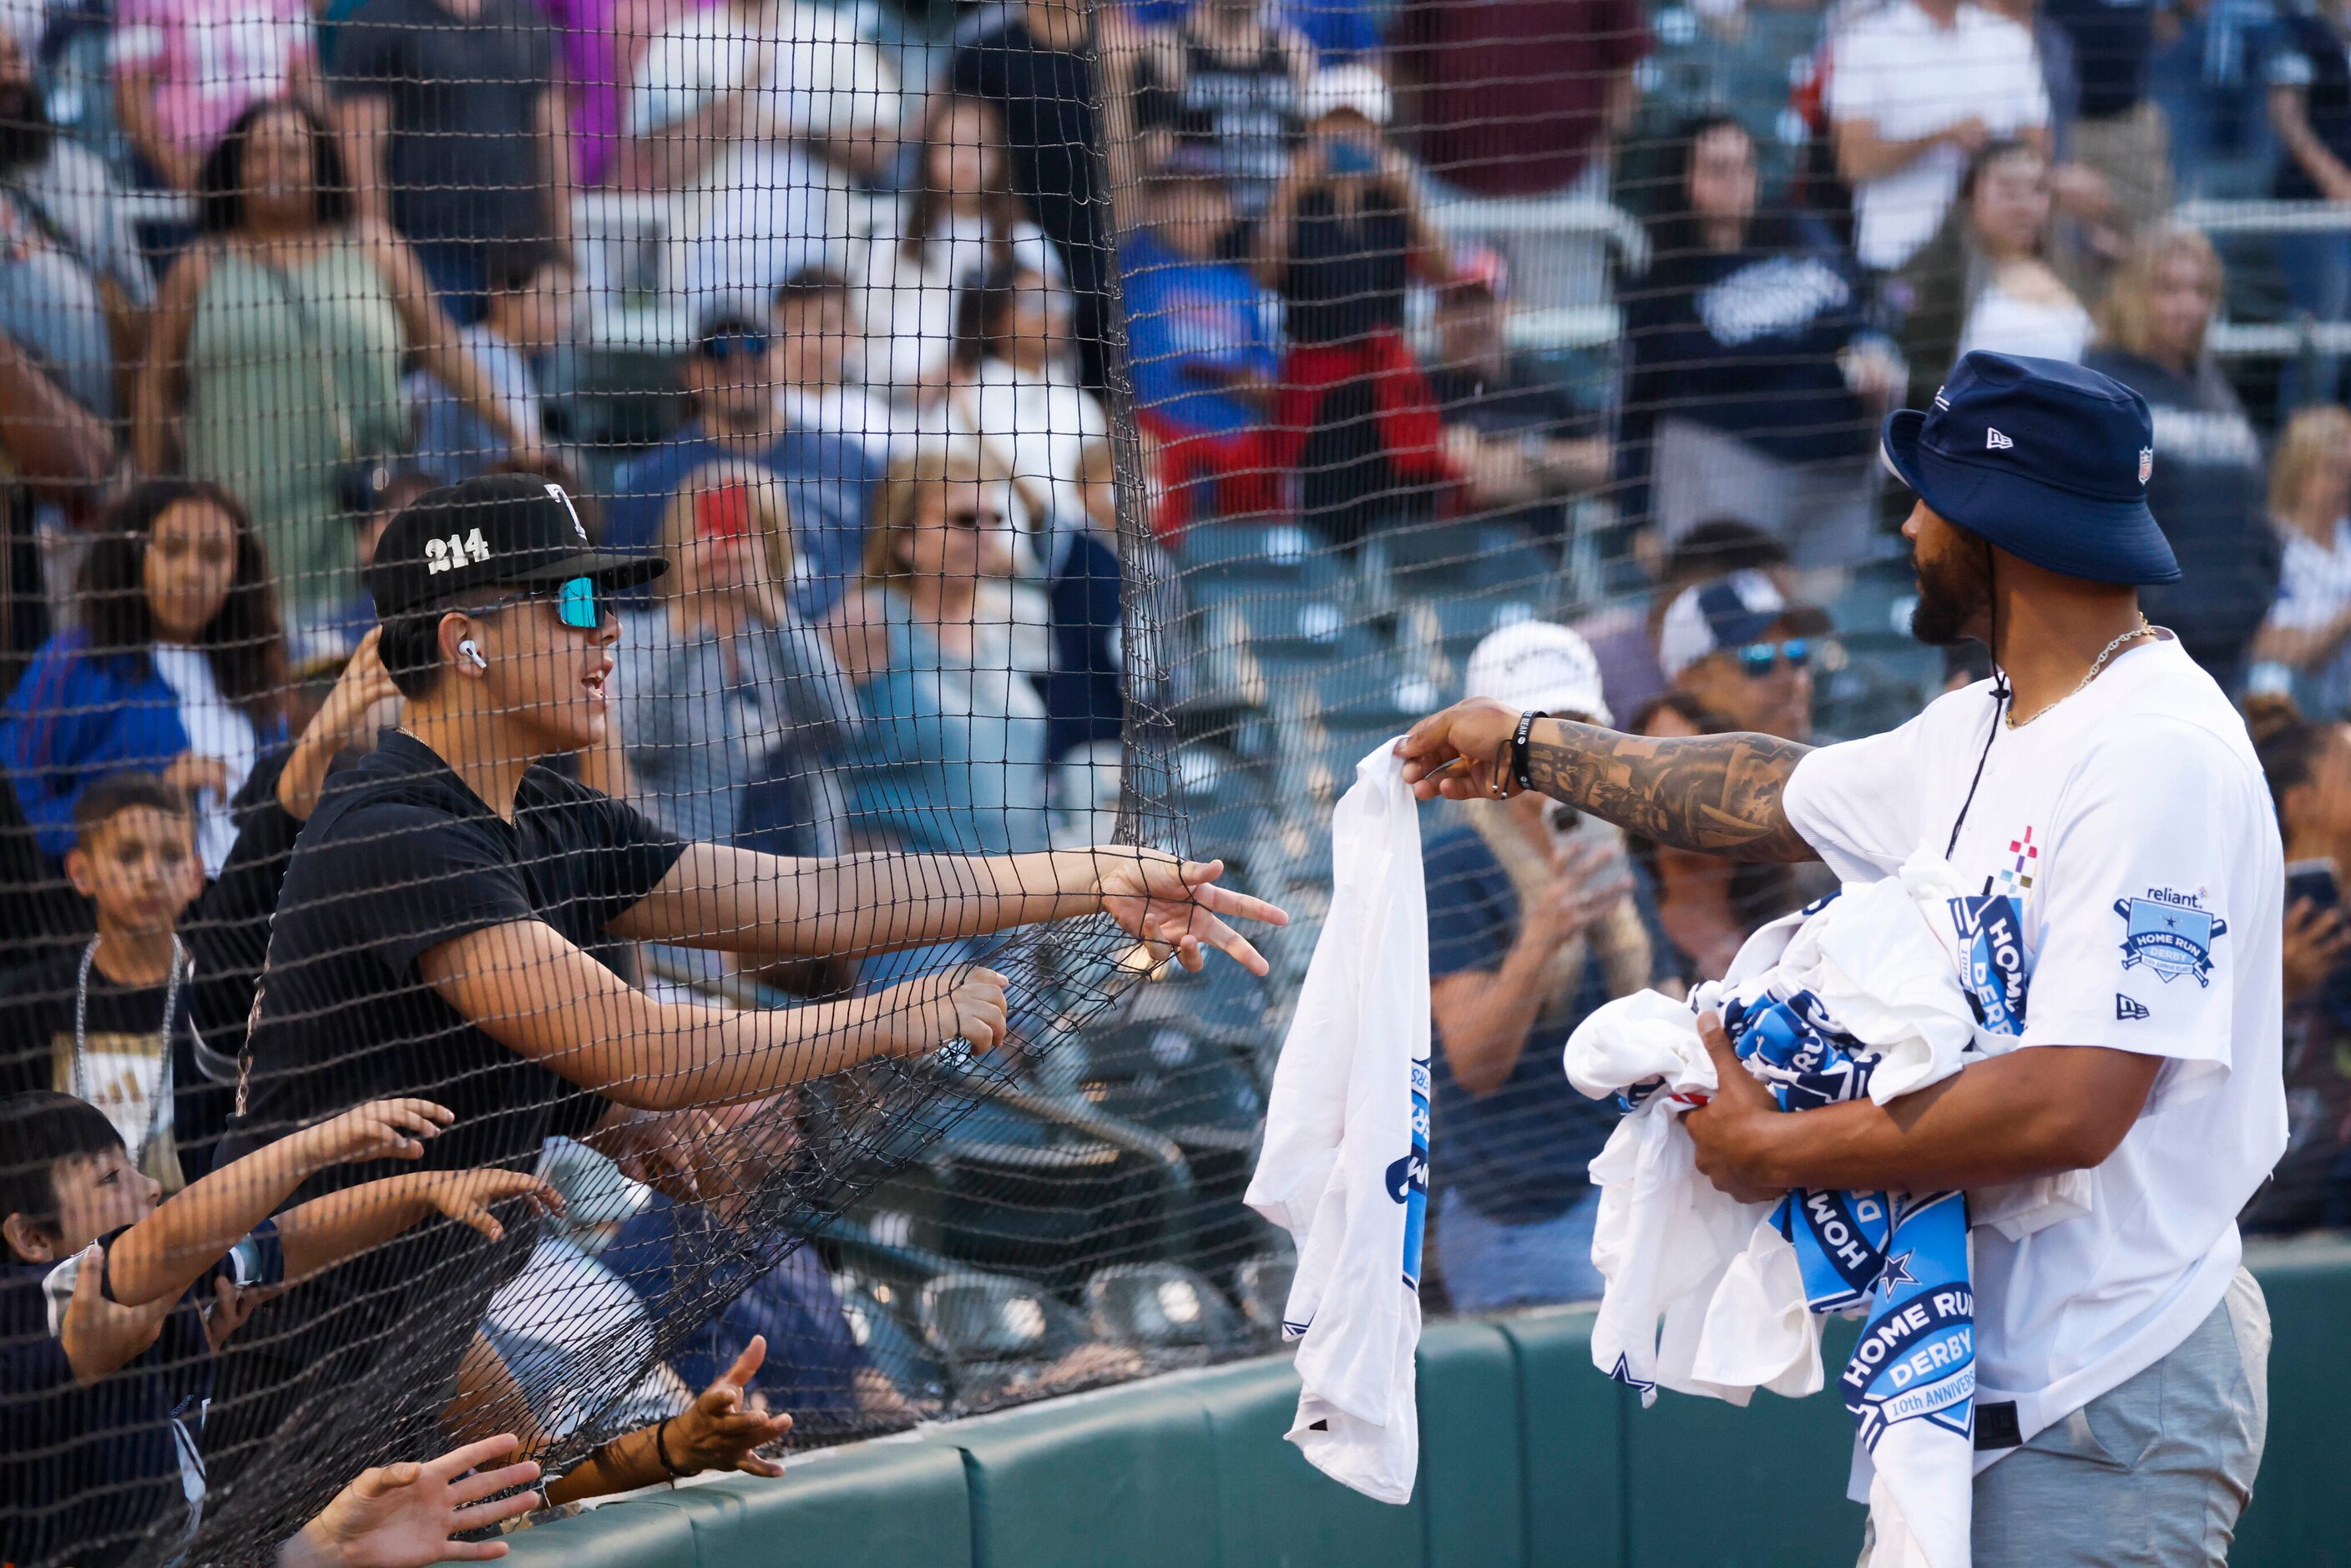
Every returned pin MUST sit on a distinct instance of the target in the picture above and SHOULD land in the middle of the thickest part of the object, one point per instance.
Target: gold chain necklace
(2111, 649)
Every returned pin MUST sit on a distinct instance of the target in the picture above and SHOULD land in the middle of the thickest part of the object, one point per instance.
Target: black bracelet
(1519, 747)
(660, 1449)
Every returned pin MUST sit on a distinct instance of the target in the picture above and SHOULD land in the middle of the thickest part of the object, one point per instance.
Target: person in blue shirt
(1206, 347)
(177, 667)
(825, 479)
(1532, 922)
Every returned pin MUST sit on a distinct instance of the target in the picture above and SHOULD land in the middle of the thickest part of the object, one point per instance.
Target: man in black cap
(432, 927)
(2103, 796)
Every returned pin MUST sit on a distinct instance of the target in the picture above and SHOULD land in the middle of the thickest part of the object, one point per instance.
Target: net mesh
(1075, 440)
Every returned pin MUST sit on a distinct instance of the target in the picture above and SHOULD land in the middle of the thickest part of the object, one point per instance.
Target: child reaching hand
(111, 1305)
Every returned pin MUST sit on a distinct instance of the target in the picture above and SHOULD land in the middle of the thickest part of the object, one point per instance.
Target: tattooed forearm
(1720, 793)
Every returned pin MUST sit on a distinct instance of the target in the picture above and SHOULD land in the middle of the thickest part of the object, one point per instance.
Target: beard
(24, 129)
(1954, 593)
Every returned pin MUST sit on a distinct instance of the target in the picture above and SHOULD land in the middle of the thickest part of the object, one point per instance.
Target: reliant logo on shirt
(2170, 932)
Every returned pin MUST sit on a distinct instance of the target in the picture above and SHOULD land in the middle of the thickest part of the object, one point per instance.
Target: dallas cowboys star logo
(1623, 1373)
(1897, 1272)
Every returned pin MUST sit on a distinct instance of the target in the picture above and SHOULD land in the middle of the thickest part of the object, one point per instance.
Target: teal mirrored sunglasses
(577, 604)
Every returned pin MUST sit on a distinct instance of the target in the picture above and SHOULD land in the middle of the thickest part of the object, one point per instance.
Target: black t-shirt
(124, 1033)
(400, 857)
(1046, 99)
(87, 1473)
(2310, 53)
(463, 160)
(1347, 272)
(2112, 42)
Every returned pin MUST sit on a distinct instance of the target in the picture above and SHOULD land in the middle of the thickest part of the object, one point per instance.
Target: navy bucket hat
(2045, 459)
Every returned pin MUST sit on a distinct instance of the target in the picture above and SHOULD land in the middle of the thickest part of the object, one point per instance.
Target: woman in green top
(275, 367)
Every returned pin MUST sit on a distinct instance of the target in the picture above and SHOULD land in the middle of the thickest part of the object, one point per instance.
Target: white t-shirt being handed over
(2130, 895)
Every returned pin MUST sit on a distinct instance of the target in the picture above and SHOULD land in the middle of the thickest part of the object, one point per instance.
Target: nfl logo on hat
(2145, 463)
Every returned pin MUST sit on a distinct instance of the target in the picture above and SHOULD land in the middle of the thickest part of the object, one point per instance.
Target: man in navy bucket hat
(2099, 807)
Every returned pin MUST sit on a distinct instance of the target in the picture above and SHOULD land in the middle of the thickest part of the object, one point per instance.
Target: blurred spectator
(765, 112)
(1036, 66)
(2310, 108)
(73, 290)
(1984, 280)
(731, 377)
(184, 69)
(1014, 370)
(952, 758)
(114, 1023)
(1521, 444)
(1534, 920)
(1519, 98)
(410, 1515)
(177, 665)
(1340, 31)
(1204, 344)
(531, 311)
(454, 132)
(53, 452)
(1228, 78)
(603, 41)
(1625, 639)
(721, 671)
(2207, 486)
(2118, 133)
(1742, 650)
(1916, 89)
(2310, 507)
(277, 348)
(1342, 238)
(814, 318)
(2308, 766)
(1706, 905)
(381, 492)
(1754, 374)
(958, 221)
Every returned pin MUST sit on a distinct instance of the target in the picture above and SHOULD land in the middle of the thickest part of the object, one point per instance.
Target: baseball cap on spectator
(1537, 665)
(1356, 88)
(1729, 613)
(501, 530)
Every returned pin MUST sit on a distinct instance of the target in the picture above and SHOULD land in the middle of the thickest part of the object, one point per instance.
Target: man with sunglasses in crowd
(433, 929)
(734, 379)
(1739, 647)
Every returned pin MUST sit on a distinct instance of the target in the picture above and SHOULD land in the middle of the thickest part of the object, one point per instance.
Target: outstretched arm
(1722, 794)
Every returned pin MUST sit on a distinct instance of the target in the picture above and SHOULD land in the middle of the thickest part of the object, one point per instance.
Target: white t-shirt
(2133, 896)
(215, 729)
(2313, 587)
(1900, 71)
(2046, 330)
(906, 306)
(1045, 423)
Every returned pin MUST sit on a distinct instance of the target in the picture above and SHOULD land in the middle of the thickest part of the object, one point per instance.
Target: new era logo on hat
(2066, 490)
(502, 530)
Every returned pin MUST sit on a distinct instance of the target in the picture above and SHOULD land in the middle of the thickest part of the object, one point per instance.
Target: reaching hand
(197, 775)
(2315, 939)
(1478, 733)
(924, 1013)
(403, 1515)
(465, 1196)
(687, 1157)
(99, 1336)
(719, 1430)
(1175, 905)
(378, 1130)
(231, 1305)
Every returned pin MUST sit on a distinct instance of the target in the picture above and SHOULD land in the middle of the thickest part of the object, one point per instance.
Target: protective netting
(1072, 437)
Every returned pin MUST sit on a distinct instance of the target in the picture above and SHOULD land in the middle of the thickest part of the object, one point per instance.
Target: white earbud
(472, 651)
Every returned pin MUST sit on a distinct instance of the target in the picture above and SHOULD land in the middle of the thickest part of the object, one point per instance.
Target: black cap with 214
(501, 530)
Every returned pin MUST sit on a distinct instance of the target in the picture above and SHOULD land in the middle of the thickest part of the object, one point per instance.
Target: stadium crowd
(271, 273)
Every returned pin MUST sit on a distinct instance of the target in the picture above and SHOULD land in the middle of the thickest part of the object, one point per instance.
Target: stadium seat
(1221, 796)
(881, 1318)
(1263, 1285)
(1440, 559)
(1225, 1002)
(982, 1322)
(1220, 560)
(1161, 1306)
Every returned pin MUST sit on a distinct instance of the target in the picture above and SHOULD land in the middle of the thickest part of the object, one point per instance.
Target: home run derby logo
(1917, 1360)
(1839, 1244)
(1991, 928)
(2170, 932)
(1407, 1179)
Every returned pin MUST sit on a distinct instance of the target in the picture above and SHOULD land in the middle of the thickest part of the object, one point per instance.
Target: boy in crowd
(112, 1307)
(114, 1021)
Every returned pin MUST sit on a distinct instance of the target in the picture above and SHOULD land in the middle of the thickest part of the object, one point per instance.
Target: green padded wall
(1572, 1424)
(1472, 1448)
(1273, 1508)
(2297, 1519)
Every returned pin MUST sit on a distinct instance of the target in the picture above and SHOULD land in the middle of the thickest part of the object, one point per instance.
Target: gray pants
(2152, 1474)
